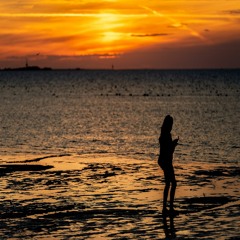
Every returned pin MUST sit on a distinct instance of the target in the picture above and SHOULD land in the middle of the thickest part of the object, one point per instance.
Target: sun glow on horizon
(70, 28)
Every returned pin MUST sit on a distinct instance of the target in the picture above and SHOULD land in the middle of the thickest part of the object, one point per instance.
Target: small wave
(22, 167)
(45, 157)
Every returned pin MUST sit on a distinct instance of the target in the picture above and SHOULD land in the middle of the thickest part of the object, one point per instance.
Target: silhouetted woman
(167, 147)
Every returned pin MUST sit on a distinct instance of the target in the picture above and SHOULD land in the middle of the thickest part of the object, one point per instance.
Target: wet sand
(111, 197)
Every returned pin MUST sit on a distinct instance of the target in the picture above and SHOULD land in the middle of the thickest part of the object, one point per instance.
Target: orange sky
(128, 34)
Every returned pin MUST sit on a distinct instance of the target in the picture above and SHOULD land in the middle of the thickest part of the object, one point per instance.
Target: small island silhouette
(27, 68)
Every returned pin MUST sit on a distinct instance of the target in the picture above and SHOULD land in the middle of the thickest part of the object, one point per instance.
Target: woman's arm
(175, 143)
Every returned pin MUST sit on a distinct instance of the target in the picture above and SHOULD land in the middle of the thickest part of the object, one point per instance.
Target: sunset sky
(126, 34)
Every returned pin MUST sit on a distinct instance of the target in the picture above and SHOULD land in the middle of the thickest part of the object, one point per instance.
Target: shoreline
(115, 197)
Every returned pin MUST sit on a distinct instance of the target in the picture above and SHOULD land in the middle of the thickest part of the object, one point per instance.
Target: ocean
(97, 131)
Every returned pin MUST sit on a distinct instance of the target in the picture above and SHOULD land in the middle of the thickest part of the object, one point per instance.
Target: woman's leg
(172, 193)
(165, 195)
(173, 187)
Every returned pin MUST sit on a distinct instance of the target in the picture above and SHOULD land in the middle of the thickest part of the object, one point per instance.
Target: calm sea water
(99, 131)
(120, 112)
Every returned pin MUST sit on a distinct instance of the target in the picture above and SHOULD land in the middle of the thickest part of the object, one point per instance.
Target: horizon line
(117, 69)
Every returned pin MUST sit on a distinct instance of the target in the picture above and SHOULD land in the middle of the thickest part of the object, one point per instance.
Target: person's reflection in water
(170, 233)
(167, 147)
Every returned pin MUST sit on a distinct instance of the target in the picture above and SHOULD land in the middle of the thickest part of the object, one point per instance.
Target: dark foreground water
(78, 153)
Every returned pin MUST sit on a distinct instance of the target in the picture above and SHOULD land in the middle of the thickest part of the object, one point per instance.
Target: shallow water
(108, 197)
(97, 131)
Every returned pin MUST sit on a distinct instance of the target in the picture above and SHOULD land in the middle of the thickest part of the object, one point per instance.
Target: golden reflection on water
(105, 190)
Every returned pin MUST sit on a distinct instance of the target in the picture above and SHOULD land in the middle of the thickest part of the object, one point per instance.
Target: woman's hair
(167, 124)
